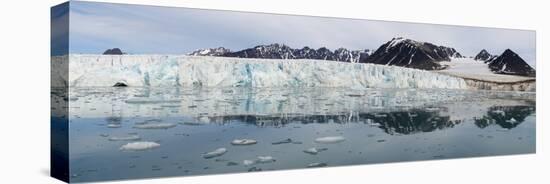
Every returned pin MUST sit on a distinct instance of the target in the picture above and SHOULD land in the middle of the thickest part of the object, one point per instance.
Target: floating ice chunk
(316, 165)
(282, 141)
(249, 162)
(139, 146)
(243, 142)
(216, 153)
(333, 139)
(232, 163)
(113, 125)
(254, 169)
(314, 151)
(259, 160)
(265, 159)
(125, 138)
(156, 126)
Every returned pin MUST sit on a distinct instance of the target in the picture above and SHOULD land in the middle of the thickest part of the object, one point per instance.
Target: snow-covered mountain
(412, 54)
(220, 51)
(483, 55)
(510, 63)
(281, 51)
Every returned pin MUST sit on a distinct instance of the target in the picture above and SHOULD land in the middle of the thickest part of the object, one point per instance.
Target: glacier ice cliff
(205, 71)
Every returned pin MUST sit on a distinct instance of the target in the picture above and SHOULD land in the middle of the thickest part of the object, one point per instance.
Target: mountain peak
(113, 51)
(400, 51)
(219, 51)
(509, 52)
(510, 63)
(483, 55)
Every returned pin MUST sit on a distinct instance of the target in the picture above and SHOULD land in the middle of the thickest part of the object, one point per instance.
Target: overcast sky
(136, 29)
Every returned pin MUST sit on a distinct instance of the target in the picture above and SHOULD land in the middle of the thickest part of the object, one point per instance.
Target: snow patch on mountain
(472, 69)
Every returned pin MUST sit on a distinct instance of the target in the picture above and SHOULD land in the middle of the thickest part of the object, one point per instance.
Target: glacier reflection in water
(119, 133)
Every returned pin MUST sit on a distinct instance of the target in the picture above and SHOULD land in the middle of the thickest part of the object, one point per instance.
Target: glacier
(208, 71)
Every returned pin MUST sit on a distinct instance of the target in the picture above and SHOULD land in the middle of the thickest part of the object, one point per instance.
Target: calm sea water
(367, 126)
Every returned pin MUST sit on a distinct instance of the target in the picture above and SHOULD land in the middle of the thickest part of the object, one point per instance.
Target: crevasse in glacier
(205, 71)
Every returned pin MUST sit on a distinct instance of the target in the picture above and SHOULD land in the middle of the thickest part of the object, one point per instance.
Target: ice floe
(113, 125)
(317, 164)
(216, 153)
(139, 146)
(156, 126)
(283, 141)
(259, 160)
(314, 151)
(332, 139)
(243, 142)
(125, 138)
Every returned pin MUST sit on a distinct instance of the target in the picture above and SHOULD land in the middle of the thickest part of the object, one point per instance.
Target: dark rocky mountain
(412, 54)
(510, 63)
(483, 55)
(272, 51)
(113, 51)
(281, 51)
(451, 52)
(220, 51)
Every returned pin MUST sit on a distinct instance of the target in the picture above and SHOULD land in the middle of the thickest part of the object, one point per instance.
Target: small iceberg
(254, 169)
(216, 153)
(265, 159)
(248, 162)
(328, 140)
(139, 146)
(312, 165)
(259, 160)
(113, 125)
(156, 126)
(231, 163)
(314, 151)
(125, 138)
(283, 141)
(243, 142)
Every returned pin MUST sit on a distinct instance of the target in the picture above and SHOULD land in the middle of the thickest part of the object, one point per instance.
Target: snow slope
(478, 70)
(196, 71)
